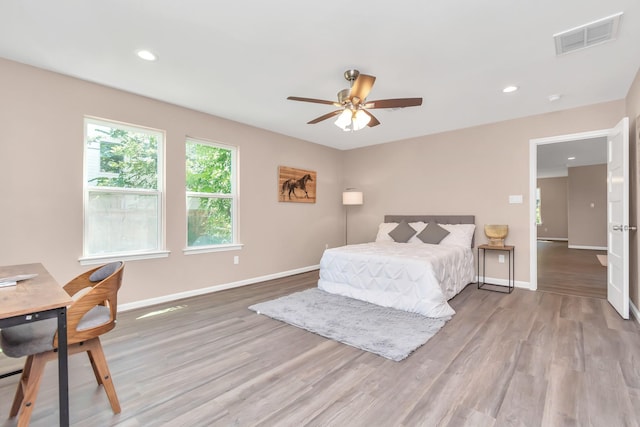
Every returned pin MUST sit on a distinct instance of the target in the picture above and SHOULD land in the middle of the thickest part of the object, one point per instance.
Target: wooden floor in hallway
(570, 271)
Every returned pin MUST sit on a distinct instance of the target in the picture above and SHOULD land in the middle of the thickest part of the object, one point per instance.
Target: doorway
(559, 264)
(617, 184)
(571, 217)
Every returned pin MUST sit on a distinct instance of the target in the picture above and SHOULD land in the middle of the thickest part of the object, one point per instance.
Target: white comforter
(416, 277)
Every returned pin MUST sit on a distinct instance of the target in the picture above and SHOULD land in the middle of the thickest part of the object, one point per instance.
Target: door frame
(533, 178)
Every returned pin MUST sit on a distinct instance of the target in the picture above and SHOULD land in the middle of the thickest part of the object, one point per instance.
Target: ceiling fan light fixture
(352, 120)
(360, 120)
(343, 96)
(344, 120)
(352, 103)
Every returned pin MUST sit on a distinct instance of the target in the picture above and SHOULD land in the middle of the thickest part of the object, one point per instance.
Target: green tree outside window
(210, 194)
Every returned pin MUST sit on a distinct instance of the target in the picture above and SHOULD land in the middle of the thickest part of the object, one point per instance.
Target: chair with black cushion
(92, 313)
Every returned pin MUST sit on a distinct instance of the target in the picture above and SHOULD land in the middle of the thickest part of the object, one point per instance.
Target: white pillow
(418, 226)
(383, 231)
(459, 235)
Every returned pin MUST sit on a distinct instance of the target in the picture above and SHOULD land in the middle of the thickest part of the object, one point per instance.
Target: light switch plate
(515, 199)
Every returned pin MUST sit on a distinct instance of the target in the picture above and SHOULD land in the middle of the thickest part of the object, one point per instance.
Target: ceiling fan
(353, 104)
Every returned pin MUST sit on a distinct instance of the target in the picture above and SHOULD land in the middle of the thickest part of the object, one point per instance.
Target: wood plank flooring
(520, 359)
(570, 271)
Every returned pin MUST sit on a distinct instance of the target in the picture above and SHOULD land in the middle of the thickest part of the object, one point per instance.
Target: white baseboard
(554, 239)
(634, 311)
(210, 289)
(505, 282)
(593, 248)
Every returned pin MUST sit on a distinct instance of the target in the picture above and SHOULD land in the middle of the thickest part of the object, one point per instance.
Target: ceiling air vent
(588, 35)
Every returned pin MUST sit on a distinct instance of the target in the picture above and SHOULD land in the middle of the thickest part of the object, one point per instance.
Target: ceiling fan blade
(394, 103)
(373, 122)
(361, 88)
(325, 117)
(316, 101)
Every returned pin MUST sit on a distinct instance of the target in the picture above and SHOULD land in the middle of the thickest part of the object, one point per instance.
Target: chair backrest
(95, 305)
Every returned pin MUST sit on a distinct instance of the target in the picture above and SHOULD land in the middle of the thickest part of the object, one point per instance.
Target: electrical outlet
(236, 259)
(326, 246)
(501, 259)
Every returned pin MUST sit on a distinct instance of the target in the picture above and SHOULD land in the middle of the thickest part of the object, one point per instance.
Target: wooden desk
(38, 299)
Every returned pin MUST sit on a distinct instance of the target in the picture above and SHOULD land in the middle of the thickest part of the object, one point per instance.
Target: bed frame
(441, 219)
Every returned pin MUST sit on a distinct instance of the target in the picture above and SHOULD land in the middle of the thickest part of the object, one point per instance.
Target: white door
(618, 218)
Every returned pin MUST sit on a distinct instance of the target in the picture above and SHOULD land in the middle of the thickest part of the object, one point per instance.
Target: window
(538, 207)
(211, 196)
(123, 204)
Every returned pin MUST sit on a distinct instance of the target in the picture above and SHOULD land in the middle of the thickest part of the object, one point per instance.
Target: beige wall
(455, 172)
(587, 206)
(467, 171)
(633, 112)
(553, 202)
(41, 160)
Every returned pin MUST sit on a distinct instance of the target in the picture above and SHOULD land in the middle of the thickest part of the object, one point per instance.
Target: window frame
(160, 250)
(538, 206)
(234, 196)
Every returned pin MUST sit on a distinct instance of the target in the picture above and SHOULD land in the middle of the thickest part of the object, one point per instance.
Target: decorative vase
(496, 234)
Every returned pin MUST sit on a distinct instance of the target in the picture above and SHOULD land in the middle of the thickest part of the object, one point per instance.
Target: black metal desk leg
(63, 367)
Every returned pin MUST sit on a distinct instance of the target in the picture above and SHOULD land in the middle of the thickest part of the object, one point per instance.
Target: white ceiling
(553, 159)
(240, 60)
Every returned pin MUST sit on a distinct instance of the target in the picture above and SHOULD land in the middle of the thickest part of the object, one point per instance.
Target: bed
(413, 275)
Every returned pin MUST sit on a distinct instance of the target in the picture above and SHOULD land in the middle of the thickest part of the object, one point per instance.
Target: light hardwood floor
(520, 359)
(570, 271)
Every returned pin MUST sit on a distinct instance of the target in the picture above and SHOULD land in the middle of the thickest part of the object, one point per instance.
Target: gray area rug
(387, 332)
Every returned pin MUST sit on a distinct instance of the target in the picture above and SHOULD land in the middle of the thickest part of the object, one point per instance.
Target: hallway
(570, 271)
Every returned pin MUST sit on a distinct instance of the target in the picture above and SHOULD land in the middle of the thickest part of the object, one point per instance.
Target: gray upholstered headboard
(440, 219)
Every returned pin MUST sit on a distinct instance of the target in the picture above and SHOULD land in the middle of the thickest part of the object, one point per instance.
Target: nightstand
(482, 284)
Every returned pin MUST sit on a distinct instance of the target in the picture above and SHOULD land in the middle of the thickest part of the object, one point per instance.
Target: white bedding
(415, 277)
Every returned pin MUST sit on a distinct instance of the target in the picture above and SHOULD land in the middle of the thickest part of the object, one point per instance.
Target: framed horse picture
(296, 185)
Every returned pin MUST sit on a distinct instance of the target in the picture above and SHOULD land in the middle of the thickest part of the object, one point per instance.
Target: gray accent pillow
(105, 271)
(432, 234)
(402, 233)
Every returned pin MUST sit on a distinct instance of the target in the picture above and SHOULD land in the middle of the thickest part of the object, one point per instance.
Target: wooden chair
(92, 313)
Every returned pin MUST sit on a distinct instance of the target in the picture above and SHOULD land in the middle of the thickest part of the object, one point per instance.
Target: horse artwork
(290, 185)
(296, 185)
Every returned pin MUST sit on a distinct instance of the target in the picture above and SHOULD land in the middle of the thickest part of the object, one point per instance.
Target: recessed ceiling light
(146, 55)
(554, 97)
(571, 158)
(510, 89)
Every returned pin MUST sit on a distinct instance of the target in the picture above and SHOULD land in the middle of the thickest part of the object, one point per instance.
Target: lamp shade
(360, 120)
(352, 120)
(351, 197)
(344, 120)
